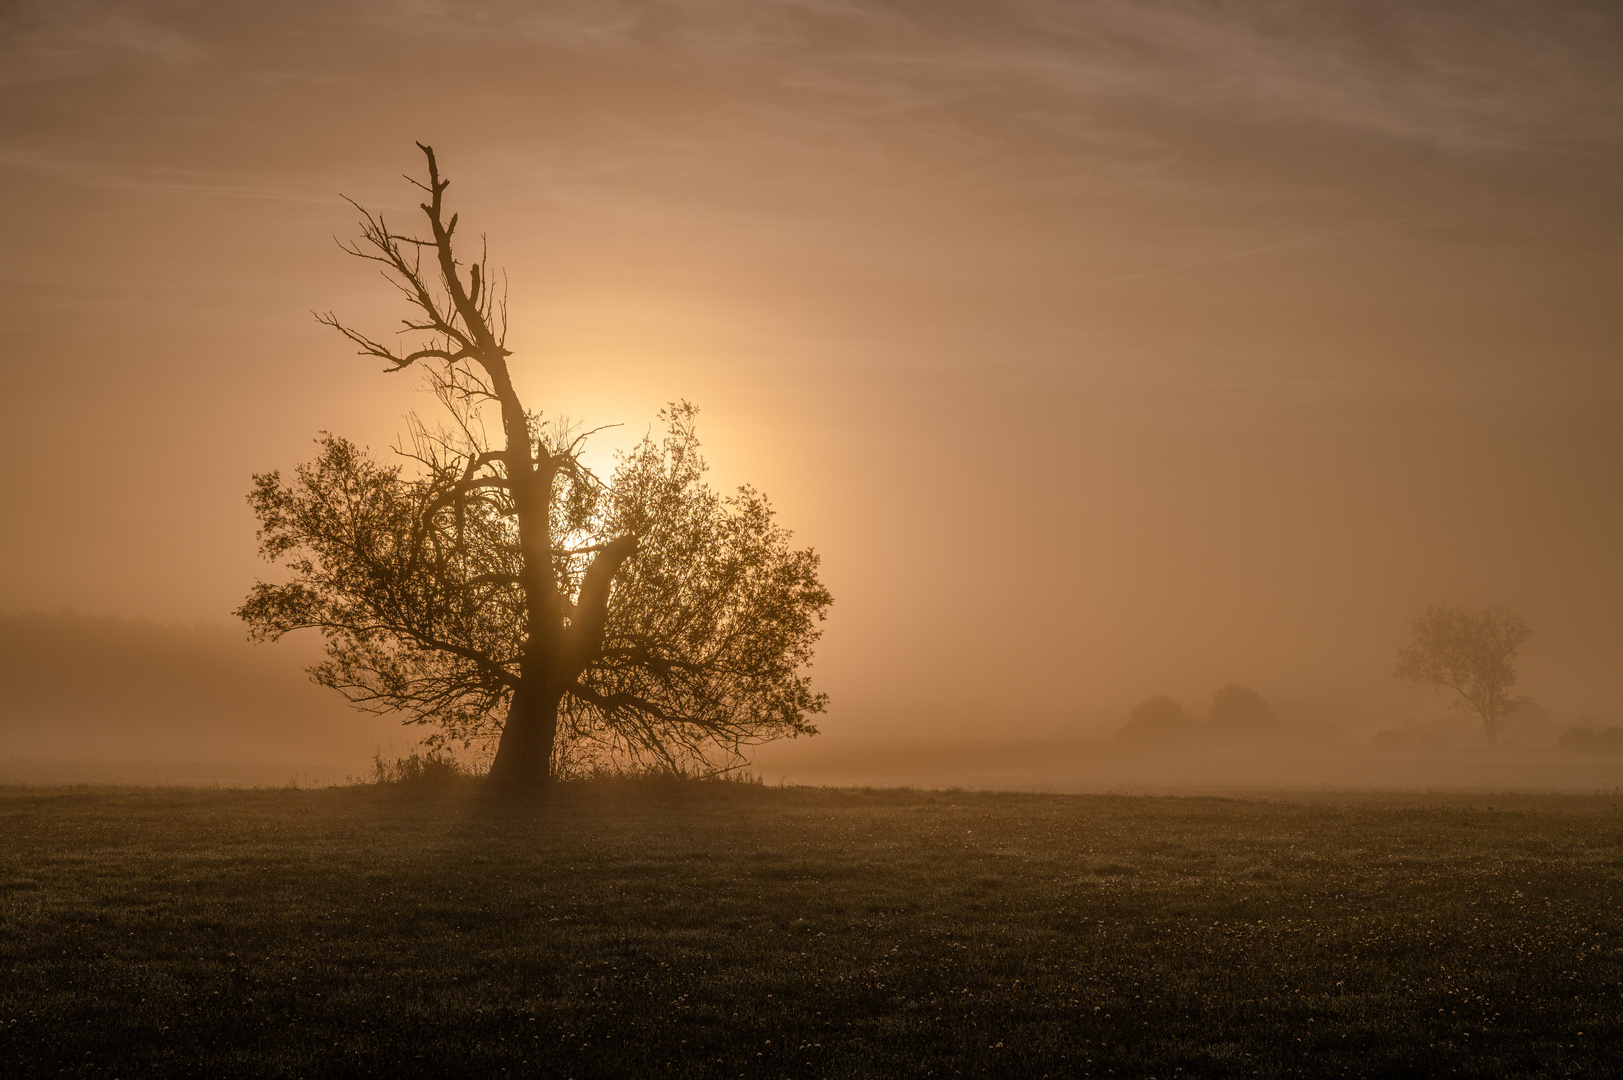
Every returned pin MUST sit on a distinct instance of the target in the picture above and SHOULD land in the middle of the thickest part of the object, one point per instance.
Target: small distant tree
(1239, 712)
(1471, 652)
(1158, 719)
(489, 585)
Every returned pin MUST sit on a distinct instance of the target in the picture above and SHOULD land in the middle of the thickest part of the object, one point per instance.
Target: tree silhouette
(498, 589)
(1157, 720)
(1470, 652)
(1239, 712)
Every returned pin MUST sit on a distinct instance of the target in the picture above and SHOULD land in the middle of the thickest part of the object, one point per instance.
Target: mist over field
(109, 700)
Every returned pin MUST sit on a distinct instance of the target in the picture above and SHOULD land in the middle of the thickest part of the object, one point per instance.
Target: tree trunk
(524, 754)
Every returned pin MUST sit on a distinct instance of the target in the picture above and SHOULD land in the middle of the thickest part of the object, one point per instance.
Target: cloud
(1501, 76)
(1055, 98)
(53, 40)
(66, 168)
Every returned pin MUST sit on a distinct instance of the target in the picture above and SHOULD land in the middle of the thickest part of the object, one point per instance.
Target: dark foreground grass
(733, 930)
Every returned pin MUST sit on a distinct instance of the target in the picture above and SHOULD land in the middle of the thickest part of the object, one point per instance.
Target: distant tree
(1239, 712)
(498, 589)
(1471, 652)
(1159, 719)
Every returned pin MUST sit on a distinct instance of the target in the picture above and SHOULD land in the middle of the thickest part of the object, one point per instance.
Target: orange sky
(1104, 349)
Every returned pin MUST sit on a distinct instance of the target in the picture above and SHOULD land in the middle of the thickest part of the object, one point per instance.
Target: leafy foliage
(709, 626)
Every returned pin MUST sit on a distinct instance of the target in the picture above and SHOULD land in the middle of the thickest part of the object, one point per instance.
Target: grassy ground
(735, 930)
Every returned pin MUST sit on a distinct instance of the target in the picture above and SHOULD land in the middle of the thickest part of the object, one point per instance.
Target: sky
(1102, 349)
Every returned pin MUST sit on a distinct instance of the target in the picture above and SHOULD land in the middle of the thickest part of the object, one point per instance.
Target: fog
(126, 701)
(117, 701)
(1104, 350)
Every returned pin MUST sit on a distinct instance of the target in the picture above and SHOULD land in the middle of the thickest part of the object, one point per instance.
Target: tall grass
(431, 769)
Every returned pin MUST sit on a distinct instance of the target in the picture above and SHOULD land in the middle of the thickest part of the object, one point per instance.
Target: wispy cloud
(1091, 96)
(51, 40)
(123, 175)
(1466, 76)
(1521, 72)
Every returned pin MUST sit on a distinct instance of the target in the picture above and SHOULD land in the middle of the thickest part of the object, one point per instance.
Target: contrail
(1257, 251)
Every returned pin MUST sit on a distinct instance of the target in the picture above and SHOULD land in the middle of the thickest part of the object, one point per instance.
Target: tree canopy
(496, 589)
(1471, 652)
(1156, 720)
(1239, 712)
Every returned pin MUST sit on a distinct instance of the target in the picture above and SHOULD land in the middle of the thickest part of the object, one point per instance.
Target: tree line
(1468, 652)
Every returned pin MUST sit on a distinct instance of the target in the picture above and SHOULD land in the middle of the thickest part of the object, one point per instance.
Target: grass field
(727, 930)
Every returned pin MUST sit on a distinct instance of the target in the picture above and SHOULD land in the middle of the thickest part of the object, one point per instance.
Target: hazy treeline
(99, 689)
(1239, 716)
(1530, 727)
(1582, 737)
(81, 689)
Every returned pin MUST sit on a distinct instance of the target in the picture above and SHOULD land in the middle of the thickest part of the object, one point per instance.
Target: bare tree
(1471, 652)
(497, 589)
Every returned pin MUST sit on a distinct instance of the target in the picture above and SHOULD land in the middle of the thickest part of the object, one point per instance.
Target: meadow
(667, 929)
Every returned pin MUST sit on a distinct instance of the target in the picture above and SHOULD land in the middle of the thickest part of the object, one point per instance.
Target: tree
(497, 589)
(1156, 720)
(1239, 712)
(1472, 653)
